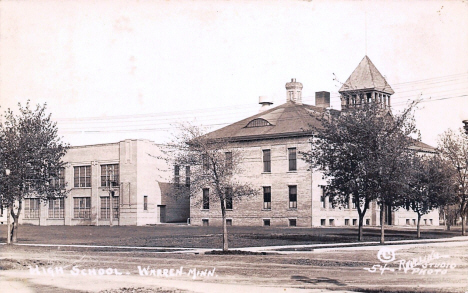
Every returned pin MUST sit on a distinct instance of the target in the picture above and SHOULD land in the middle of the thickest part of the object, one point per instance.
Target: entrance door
(162, 213)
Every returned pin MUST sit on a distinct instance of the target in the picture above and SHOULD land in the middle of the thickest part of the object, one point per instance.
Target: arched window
(258, 123)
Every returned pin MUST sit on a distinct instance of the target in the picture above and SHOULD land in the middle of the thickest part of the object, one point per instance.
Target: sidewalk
(284, 249)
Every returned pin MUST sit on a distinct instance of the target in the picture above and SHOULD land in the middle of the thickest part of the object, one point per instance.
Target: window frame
(145, 202)
(266, 159)
(54, 211)
(177, 174)
(32, 208)
(292, 196)
(80, 212)
(105, 175)
(292, 159)
(206, 199)
(79, 180)
(267, 195)
(105, 209)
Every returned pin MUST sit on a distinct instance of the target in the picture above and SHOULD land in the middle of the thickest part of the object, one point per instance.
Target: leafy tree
(362, 151)
(214, 167)
(454, 149)
(430, 185)
(32, 151)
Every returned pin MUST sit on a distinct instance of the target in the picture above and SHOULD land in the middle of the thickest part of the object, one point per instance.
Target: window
(206, 199)
(187, 176)
(205, 222)
(56, 208)
(430, 221)
(414, 222)
(322, 222)
(407, 222)
(82, 207)
(266, 222)
(205, 162)
(82, 176)
(31, 208)
(332, 222)
(346, 203)
(59, 180)
(346, 222)
(177, 174)
(353, 202)
(322, 201)
(293, 197)
(1, 210)
(258, 122)
(228, 222)
(367, 222)
(109, 175)
(228, 162)
(425, 221)
(266, 161)
(267, 197)
(228, 195)
(354, 222)
(292, 222)
(292, 159)
(105, 208)
(145, 202)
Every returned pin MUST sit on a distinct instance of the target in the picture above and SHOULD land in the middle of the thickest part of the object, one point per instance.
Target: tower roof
(366, 77)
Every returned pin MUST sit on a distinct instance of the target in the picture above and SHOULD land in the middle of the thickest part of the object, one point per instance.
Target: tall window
(109, 175)
(187, 176)
(228, 161)
(353, 202)
(31, 208)
(293, 197)
(56, 208)
(267, 197)
(1, 210)
(145, 203)
(266, 161)
(228, 195)
(322, 201)
(205, 162)
(292, 159)
(105, 207)
(346, 203)
(177, 174)
(59, 180)
(206, 199)
(82, 176)
(82, 207)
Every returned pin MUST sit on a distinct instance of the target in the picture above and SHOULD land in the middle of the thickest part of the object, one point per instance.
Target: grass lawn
(171, 235)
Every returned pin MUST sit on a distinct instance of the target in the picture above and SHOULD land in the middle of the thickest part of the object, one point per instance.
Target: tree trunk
(225, 233)
(14, 230)
(463, 224)
(382, 229)
(419, 226)
(361, 220)
(8, 225)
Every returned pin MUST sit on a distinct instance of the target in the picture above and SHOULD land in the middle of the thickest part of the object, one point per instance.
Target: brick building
(270, 143)
(129, 170)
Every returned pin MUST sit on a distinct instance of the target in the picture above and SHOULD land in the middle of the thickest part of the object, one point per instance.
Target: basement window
(205, 222)
(292, 222)
(228, 222)
(266, 222)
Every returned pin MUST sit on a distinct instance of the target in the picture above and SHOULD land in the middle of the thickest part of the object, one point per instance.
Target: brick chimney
(294, 91)
(322, 99)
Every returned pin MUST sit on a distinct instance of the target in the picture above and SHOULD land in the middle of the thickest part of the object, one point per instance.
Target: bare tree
(214, 171)
(454, 149)
(33, 153)
(362, 152)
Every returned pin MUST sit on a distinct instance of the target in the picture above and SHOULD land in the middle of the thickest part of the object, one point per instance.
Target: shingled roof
(286, 120)
(366, 77)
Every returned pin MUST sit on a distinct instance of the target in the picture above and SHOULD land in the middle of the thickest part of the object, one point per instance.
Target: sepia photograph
(182, 146)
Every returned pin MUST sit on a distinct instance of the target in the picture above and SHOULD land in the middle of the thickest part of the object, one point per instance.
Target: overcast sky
(111, 70)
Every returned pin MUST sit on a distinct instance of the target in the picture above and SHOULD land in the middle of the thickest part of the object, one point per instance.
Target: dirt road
(439, 267)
